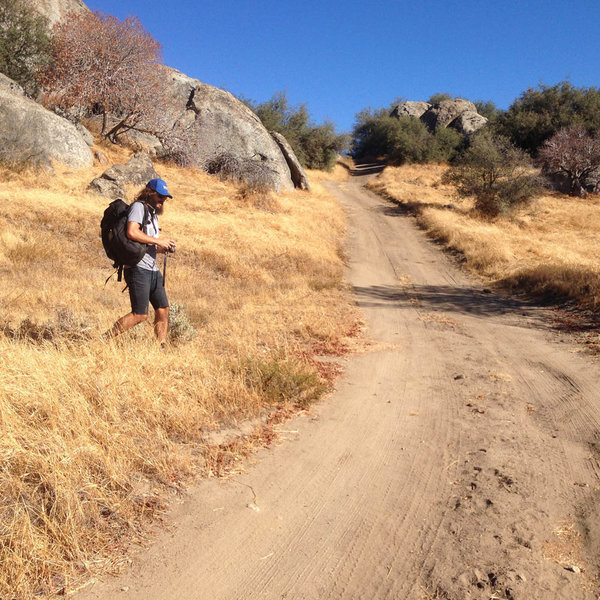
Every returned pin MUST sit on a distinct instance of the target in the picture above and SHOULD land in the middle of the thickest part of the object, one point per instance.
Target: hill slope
(95, 433)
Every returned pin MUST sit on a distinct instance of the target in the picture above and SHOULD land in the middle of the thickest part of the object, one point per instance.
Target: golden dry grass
(549, 248)
(94, 432)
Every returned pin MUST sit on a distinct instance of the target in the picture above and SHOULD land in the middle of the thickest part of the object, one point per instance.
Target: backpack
(113, 229)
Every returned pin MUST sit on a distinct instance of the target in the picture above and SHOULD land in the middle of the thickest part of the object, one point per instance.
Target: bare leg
(125, 323)
(161, 323)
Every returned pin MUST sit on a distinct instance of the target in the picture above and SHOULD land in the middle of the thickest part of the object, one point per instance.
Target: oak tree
(110, 67)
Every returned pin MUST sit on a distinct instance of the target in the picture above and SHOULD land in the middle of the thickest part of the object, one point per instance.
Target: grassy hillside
(549, 249)
(93, 433)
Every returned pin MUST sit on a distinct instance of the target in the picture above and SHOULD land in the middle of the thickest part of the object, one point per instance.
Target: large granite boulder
(219, 123)
(215, 123)
(138, 171)
(410, 109)
(441, 115)
(468, 123)
(299, 178)
(31, 134)
(55, 10)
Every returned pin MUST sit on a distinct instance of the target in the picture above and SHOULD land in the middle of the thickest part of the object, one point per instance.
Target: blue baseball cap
(159, 186)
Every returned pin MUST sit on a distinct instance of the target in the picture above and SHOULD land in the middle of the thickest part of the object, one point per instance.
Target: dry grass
(340, 171)
(93, 433)
(549, 249)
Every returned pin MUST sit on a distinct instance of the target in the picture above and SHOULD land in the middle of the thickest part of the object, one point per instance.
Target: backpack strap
(146, 218)
(118, 271)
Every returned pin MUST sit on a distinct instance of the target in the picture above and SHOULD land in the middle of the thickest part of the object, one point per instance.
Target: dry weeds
(548, 249)
(94, 433)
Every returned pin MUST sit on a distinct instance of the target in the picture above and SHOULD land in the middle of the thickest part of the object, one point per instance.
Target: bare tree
(573, 154)
(110, 67)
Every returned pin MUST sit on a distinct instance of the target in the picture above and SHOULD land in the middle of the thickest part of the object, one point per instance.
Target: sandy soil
(458, 457)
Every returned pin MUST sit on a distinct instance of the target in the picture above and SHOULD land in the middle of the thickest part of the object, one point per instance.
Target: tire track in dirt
(458, 458)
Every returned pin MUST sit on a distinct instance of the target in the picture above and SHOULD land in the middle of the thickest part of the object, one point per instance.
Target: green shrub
(439, 97)
(374, 134)
(446, 145)
(24, 43)
(496, 173)
(488, 110)
(315, 146)
(377, 135)
(539, 113)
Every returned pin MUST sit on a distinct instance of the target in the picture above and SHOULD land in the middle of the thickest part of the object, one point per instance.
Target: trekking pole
(165, 263)
(165, 267)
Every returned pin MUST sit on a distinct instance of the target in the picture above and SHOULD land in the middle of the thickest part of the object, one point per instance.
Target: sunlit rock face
(31, 134)
(457, 113)
(220, 123)
(55, 10)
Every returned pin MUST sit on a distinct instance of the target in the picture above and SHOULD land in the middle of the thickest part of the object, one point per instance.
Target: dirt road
(458, 457)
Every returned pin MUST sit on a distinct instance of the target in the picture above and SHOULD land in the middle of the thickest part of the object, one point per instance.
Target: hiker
(144, 279)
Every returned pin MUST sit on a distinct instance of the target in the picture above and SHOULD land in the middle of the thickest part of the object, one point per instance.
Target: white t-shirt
(136, 215)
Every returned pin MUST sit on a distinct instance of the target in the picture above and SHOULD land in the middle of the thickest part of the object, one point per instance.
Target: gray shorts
(145, 287)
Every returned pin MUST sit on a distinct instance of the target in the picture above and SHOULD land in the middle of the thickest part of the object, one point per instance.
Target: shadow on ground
(462, 300)
(370, 168)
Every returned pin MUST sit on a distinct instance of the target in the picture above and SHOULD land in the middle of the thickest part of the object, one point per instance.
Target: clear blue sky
(341, 56)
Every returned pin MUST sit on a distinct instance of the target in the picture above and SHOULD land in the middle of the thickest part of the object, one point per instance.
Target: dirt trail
(458, 457)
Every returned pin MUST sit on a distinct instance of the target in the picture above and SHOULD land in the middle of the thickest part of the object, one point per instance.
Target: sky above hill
(342, 56)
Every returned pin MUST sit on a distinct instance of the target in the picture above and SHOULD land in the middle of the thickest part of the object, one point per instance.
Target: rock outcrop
(468, 122)
(410, 109)
(441, 115)
(138, 171)
(55, 10)
(299, 178)
(220, 123)
(31, 134)
(459, 114)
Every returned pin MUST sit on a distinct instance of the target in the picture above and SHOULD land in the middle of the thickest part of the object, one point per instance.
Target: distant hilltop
(55, 10)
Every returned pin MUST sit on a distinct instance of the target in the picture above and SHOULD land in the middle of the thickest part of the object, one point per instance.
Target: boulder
(107, 187)
(217, 123)
(8, 85)
(85, 134)
(31, 134)
(100, 157)
(138, 171)
(468, 122)
(410, 109)
(299, 178)
(441, 115)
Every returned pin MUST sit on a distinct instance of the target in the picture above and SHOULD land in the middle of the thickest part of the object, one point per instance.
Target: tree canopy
(109, 66)
(540, 112)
